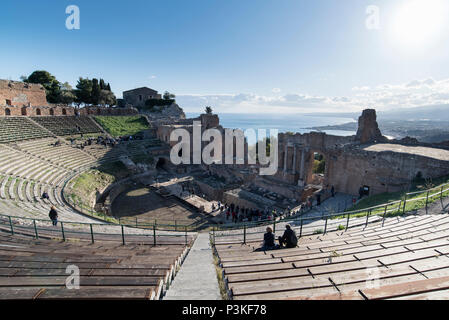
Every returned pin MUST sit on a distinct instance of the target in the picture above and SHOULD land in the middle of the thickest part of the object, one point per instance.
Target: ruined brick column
(285, 157)
(303, 158)
(294, 160)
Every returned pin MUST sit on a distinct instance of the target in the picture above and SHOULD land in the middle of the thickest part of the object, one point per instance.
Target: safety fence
(65, 230)
(334, 221)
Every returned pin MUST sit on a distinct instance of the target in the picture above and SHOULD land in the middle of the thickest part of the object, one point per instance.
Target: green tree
(167, 95)
(102, 85)
(48, 81)
(95, 96)
(83, 91)
(67, 95)
(107, 98)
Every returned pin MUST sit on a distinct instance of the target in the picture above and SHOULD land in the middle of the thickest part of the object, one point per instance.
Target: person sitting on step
(268, 241)
(289, 238)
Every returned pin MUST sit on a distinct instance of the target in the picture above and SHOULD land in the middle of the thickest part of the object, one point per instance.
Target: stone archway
(161, 163)
(38, 112)
(7, 112)
(52, 112)
(317, 171)
(24, 111)
(64, 112)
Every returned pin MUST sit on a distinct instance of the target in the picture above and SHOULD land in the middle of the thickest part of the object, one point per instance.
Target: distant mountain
(432, 113)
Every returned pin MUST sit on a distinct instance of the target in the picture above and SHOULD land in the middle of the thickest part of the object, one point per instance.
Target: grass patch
(116, 169)
(142, 158)
(221, 282)
(318, 231)
(123, 125)
(413, 202)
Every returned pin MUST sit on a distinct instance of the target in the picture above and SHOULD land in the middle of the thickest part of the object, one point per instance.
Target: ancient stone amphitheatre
(136, 226)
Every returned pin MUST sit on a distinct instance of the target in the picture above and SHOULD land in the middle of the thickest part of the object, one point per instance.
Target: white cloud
(415, 93)
(276, 90)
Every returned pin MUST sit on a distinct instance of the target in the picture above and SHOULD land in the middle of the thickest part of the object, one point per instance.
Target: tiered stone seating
(67, 125)
(36, 269)
(20, 128)
(18, 164)
(63, 155)
(109, 154)
(406, 257)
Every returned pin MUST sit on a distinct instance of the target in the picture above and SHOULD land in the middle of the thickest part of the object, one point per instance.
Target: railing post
(62, 231)
(441, 197)
(367, 217)
(213, 235)
(244, 234)
(35, 229)
(154, 234)
(405, 202)
(347, 222)
(136, 222)
(123, 235)
(185, 228)
(176, 226)
(10, 224)
(325, 225)
(385, 213)
(427, 201)
(274, 226)
(300, 229)
(92, 233)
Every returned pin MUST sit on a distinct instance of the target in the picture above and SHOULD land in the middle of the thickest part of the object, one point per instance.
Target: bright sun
(418, 23)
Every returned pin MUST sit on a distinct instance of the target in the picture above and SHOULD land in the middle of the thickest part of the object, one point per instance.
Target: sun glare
(419, 23)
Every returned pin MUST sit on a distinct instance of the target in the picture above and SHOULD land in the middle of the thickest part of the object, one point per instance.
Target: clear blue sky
(237, 55)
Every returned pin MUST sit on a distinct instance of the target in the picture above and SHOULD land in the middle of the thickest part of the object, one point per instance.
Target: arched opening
(38, 112)
(7, 112)
(161, 163)
(319, 163)
(24, 111)
(52, 112)
(317, 169)
(64, 112)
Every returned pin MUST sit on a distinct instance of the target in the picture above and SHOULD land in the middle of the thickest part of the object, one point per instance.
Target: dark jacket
(53, 214)
(289, 238)
(268, 239)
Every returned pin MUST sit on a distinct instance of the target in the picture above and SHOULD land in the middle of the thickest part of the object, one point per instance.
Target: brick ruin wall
(26, 99)
(63, 110)
(14, 93)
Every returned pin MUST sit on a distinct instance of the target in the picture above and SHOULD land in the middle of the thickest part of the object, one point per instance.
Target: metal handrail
(399, 207)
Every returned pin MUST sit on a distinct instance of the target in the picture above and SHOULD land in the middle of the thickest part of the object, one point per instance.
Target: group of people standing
(241, 214)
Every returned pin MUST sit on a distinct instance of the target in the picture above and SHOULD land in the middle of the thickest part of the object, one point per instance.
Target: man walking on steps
(53, 216)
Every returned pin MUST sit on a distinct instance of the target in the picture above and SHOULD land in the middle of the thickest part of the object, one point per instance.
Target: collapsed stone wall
(15, 93)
